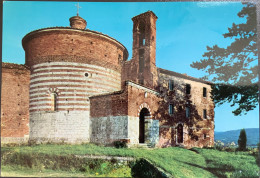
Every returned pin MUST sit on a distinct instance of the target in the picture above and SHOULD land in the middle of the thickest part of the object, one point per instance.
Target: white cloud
(213, 3)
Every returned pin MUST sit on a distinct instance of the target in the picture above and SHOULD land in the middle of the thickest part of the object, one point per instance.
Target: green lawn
(177, 161)
(20, 171)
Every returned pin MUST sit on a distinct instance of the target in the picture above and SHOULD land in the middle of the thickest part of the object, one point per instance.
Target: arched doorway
(144, 112)
(180, 133)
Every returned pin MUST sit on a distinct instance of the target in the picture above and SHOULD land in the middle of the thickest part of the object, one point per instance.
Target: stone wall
(108, 129)
(197, 130)
(123, 108)
(151, 131)
(14, 103)
(62, 126)
(133, 129)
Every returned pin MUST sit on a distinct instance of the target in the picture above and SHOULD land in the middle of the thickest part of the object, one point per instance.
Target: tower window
(141, 33)
(53, 102)
(171, 85)
(143, 42)
(204, 92)
(141, 60)
(204, 113)
(187, 112)
(170, 109)
(188, 88)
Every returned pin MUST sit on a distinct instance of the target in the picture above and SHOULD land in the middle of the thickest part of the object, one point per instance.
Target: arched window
(53, 101)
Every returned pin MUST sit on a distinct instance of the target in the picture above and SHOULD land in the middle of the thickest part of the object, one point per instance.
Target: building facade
(77, 86)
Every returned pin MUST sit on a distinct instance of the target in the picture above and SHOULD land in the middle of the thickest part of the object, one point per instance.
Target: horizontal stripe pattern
(68, 80)
(80, 76)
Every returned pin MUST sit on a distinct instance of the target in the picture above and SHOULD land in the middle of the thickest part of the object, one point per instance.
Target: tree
(234, 69)
(242, 140)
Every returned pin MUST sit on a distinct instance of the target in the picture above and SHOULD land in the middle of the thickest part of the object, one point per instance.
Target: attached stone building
(78, 86)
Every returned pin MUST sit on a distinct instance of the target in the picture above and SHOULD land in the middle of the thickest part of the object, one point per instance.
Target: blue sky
(184, 29)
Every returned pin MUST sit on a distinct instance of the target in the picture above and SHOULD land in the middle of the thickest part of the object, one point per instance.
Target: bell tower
(144, 48)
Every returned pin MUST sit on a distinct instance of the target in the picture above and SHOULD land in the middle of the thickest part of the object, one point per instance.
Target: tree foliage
(234, 68)
(242, 140)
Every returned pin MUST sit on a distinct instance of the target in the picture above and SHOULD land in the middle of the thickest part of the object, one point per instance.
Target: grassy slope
(177, 161)
(19, 171)
(225, 164)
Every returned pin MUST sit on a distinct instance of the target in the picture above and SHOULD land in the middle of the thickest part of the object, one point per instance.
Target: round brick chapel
(68, 65)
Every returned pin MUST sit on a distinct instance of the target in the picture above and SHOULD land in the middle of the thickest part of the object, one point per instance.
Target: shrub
(230, 147)
(120, 144)
(242, 140)
(144, 169)
(218, 145)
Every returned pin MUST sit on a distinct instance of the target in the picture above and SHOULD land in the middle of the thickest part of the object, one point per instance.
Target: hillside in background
(232, 136)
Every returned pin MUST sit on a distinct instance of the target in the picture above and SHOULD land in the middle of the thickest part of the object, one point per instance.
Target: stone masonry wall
(198, 131)
(108, 129)
(14, 103)
(133, 129)
(62, 126)
(122, 108)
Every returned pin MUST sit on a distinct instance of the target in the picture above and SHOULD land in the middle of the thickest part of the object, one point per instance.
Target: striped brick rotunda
(68, 65)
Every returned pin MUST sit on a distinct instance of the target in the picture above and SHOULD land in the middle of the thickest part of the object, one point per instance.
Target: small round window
(86, 74)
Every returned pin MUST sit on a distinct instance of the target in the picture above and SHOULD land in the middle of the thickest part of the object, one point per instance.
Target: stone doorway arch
(144, 113)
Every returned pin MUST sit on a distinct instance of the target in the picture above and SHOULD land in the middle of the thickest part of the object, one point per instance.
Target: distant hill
(232, 136)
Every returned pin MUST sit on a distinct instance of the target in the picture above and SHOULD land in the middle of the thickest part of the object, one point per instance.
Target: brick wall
(129, 102)
(112, 104)
(67, 67)
(142, 68)
(141, 97)
(72, 82)
(72, 45)
(14, 101)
